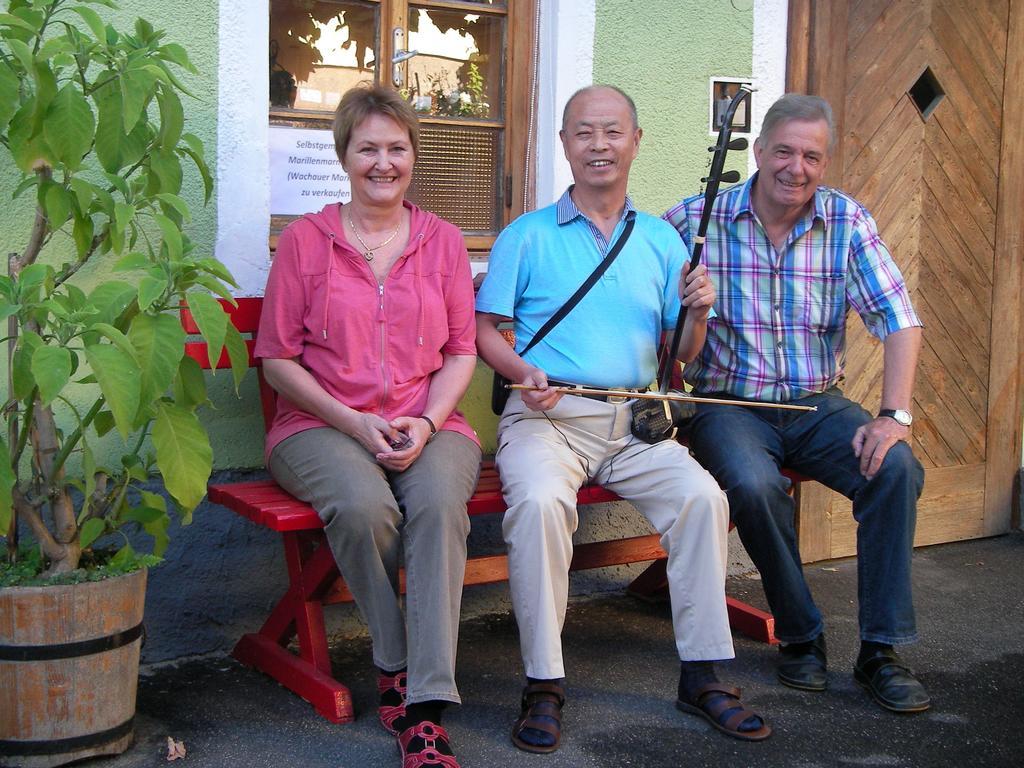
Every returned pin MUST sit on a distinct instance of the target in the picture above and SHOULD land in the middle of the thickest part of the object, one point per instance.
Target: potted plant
(100, 393)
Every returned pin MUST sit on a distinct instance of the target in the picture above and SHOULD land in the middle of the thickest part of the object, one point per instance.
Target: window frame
(516, 186)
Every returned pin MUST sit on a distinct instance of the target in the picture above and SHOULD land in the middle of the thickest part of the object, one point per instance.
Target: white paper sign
(305, 174)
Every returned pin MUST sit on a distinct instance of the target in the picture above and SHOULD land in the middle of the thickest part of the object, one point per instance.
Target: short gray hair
(800, 106)
(598, 87)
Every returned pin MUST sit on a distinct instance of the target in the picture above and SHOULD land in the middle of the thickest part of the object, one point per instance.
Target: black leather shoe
(891, 684)
(803, 665)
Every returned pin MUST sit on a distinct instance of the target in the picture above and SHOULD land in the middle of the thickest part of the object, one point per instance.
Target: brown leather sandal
(541, 711)
(720, 705)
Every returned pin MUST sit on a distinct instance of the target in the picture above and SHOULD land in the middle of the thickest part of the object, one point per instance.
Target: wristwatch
(899, 415)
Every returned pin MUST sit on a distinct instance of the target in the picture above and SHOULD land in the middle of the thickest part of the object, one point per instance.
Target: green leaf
(144, 515)
(51, 367)
(132, 261)
(90, 17)
(33, 276)
(82, 234)
(21, 369)
(159, 343)
(69, 126)
(46, 92)
(164, 164)
(103, 423)
(216, 268)
(8, 95)
(57, 205)
(91, 530)
(151, 289)
(135, 94)
(118, 376)
(111, 299)
(238, 353)
(197, 158)
(124, 558)
(54, 47)
(109, 135)
(183, 455)
(9, 20)
(123, 215)
(177, 203)
(190, 384)
(118, 182)
(115, 337)
(7, 481)
(83, 193)
(28, 147)
(215, 286)
(212, 321)
(153, 501)
(23, 53)
(174, 52)
(172, 235)
(172, 118)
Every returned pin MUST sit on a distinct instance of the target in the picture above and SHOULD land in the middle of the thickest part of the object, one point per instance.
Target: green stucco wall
(663, 53)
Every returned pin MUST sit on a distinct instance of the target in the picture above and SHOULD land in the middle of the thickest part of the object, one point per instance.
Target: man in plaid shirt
(789, 259)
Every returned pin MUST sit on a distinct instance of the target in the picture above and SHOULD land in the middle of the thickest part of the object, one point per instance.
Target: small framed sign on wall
(722, 91)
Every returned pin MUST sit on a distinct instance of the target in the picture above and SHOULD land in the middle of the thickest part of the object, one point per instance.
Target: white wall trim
(771, 21)
(566, 64)
(243, 161)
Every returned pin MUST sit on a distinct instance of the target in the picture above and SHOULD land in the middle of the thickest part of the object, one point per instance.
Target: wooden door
(928, 99)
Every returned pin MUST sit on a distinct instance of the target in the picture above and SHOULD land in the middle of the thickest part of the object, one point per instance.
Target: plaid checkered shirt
(780, 330)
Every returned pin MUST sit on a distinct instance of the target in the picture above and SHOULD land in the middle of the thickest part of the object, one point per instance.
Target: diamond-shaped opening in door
(926, 93)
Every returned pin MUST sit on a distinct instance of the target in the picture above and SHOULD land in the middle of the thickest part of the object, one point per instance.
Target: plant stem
(72, 440)
(53, 550)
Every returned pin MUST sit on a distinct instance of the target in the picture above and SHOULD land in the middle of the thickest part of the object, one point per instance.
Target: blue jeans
(744, 449)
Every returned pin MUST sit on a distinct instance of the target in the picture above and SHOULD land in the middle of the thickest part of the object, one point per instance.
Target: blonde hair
(364, 100)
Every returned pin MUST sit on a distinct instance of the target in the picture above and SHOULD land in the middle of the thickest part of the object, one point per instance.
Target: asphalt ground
(622, 675)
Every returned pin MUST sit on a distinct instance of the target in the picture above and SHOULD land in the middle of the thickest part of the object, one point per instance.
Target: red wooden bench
(313, 579)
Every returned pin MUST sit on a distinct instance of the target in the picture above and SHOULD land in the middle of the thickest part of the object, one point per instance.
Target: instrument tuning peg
(731, 177)
(739, 143)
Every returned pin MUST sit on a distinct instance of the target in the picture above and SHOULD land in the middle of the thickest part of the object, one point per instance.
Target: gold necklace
(367, 250)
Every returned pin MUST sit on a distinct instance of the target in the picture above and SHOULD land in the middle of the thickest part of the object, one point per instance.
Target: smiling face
(600, 140)
(792, 159)
(379, 160)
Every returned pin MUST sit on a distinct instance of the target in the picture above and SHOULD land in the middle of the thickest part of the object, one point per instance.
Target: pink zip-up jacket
(372, 346)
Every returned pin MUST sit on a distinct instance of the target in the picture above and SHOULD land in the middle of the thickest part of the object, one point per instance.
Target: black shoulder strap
(573, 300)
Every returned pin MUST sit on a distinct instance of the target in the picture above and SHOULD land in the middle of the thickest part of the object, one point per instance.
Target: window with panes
(464, 65)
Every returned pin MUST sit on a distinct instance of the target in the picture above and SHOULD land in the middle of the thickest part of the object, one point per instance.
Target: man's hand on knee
(873, 440)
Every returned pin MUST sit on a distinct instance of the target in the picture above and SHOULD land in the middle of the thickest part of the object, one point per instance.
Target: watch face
(899, 415)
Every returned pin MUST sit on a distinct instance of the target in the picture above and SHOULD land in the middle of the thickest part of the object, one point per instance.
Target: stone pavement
(621, 685)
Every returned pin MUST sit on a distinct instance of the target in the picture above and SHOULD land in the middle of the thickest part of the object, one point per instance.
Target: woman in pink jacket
(368, 336)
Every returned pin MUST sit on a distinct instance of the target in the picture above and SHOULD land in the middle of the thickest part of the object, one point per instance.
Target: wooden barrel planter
(69, 666)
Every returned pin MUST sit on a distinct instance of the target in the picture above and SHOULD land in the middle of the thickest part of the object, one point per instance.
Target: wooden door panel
(937, 186)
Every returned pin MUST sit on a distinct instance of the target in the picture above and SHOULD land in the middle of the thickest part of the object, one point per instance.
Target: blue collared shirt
(610, 338)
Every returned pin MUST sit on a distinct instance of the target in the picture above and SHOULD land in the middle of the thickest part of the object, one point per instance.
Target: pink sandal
(388, 714)
(432, 735)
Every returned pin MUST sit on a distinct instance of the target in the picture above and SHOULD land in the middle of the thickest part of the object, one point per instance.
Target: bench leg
(652, 586)
(299, 613)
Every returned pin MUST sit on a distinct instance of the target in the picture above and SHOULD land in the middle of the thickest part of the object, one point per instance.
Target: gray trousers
(370, 514)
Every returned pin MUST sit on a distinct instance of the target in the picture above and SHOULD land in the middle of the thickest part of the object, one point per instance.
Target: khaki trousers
(370, 515)
(543, 459)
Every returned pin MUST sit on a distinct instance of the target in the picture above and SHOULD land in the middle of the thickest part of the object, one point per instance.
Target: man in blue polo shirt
(550, 445)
